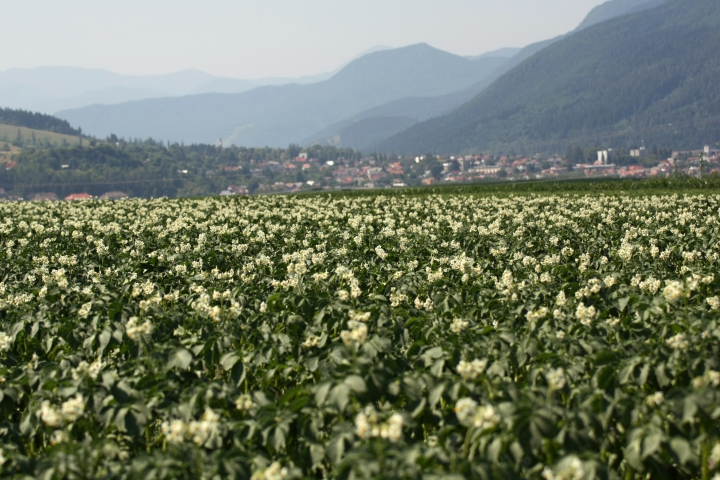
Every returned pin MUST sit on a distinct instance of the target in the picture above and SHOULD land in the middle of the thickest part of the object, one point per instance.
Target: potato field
(554, 337)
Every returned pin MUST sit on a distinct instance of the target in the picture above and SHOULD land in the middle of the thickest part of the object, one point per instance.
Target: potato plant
(427, 337)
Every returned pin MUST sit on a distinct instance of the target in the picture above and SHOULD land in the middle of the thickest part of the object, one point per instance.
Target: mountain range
(629, 65)
(648, 76)
(50, 89)
(368, 129)
(280, 115)
(374, 97)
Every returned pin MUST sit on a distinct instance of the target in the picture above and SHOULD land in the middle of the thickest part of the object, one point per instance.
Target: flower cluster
(368, 425)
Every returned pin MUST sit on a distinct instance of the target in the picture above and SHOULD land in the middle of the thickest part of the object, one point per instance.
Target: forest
(37, 121)
(146, 168)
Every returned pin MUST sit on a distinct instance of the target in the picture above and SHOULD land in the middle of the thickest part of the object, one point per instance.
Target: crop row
(554, 337)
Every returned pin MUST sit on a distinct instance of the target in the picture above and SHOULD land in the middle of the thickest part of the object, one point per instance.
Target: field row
(440, 336)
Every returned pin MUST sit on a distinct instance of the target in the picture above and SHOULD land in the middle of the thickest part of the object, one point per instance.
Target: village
(377, 171)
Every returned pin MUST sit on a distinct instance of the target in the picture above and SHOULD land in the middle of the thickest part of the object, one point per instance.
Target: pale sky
(261, 38)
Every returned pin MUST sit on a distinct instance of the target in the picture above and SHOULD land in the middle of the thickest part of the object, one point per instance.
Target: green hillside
(633, 73)
(616, 8)
(36, 121)
(23, 136)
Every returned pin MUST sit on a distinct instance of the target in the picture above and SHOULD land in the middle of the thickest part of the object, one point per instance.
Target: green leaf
(431, 355)
(339, 395)
(104, 339)
(622, 303)
(435, 395)
(651, 444)
(312, 364)
(437, 368)
(229, 360)
(321, 393)
(682, 449)
(180, 358)
(494, 450)
(356, 383)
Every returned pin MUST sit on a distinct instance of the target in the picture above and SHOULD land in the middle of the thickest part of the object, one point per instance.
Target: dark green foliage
(633, 73)
(36, 121)
(678, 184)
(143, 169)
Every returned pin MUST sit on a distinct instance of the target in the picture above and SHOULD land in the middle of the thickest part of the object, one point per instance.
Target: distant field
(9, 133)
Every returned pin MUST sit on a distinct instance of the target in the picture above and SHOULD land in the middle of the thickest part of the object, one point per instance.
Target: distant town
(306, 173)
(379, 172)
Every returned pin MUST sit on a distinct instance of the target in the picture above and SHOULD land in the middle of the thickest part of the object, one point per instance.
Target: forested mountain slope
(654, 68)
(371, 127)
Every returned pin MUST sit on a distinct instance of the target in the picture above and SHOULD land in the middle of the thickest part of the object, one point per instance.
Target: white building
(604, 156)
(639, 152)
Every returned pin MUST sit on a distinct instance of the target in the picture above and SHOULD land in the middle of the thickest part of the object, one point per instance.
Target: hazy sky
(260, 38)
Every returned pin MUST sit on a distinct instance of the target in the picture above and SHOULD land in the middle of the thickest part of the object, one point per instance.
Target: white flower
(678, 342)
(560, 300)
(464, 409)
(613, 321)
(673, 291)
(533, 316)
(585, 314)
(244, 402)
(85, 310)
(74, 408)
(485, 418)
(556, 379)
(5, 342)
(134, 329)
(471, 370)
(715, 455)
(380, 252)
(311, 342)
(651, 285)
(58, 437)
(569, 468)
(395, 424)
(274, 472)
(319, 277)
(367, 425)
(714, 303)
(625, 252)
(362, 426)
(201, 430)
(397, 298)
(343, 295)
(357, 333)
(174, 431)
(90, 369)
(656, 399)
(49, 415)
(359, 316)
(458, 325)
